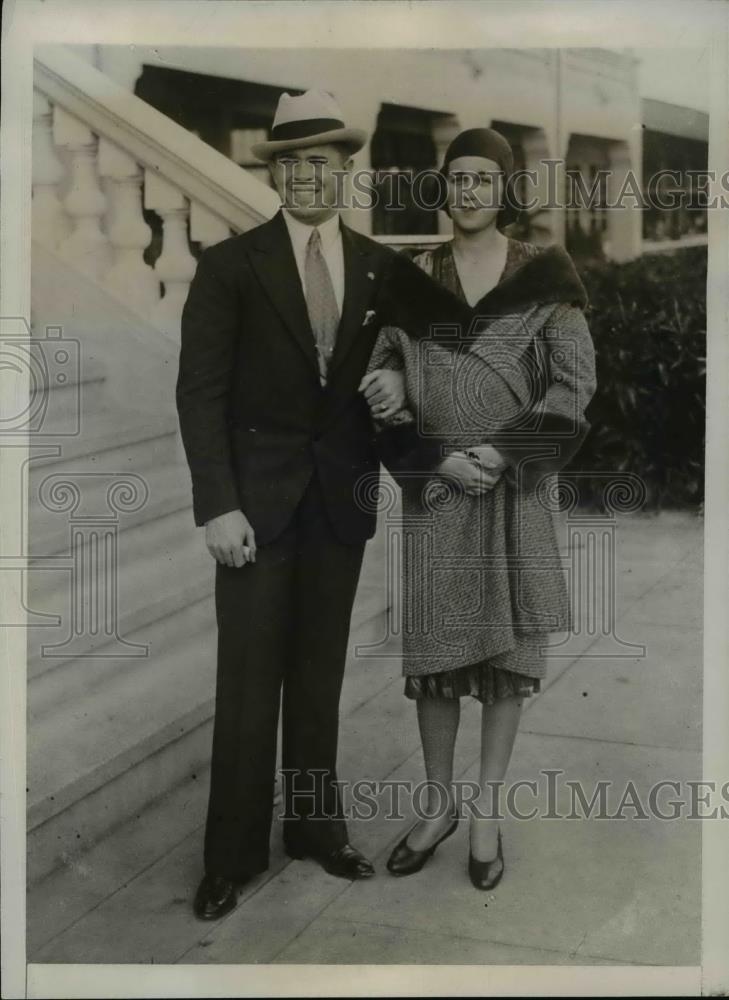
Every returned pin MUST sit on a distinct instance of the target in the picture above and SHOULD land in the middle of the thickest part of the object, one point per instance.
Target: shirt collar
(300, 232)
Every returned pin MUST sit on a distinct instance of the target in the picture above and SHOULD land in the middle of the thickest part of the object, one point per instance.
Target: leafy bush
(648, 322)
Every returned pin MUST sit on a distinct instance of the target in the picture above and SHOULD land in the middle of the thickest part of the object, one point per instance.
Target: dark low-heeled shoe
(405, 861)
(344, 862)
(486, 874)
(215, 897)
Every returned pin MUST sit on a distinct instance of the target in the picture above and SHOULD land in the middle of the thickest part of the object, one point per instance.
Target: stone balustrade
(126, 195)
(90, 197)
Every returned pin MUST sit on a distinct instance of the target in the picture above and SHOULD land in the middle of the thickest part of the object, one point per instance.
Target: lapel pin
(371, 275)
(369, 316)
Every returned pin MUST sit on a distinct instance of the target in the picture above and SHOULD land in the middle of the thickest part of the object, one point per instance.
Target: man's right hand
(230, 538)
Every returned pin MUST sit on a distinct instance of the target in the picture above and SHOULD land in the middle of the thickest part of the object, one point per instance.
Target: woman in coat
(501, 393)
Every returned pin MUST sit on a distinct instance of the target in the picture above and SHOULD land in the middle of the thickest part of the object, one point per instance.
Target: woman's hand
(384, 390)
(487, 456)
(473, 478)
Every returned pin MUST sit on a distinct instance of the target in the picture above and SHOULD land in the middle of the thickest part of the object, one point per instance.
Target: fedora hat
(310, 119)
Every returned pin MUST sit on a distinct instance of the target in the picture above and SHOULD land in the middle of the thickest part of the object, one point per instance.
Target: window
(402, 146)
(228, 114)
(678, 156)
(586, 196)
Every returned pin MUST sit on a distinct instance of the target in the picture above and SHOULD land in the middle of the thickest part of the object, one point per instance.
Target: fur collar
(410, 299)
(547, 277)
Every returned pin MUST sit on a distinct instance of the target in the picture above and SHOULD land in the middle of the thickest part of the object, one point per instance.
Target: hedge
(647, 318)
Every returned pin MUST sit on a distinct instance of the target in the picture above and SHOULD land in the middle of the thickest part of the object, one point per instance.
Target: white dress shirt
(331, 248)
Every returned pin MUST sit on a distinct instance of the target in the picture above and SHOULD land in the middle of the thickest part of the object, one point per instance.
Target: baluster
(50, 222)
(87, 246)
(129, 276)
(175, 266)
(206, 228)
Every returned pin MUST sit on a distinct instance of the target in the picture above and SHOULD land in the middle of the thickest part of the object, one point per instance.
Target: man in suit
(276, 335)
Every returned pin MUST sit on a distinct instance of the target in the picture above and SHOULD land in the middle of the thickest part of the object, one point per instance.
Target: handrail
(156, 142)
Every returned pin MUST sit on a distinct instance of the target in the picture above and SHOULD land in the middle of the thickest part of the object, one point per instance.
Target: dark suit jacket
(255, 421)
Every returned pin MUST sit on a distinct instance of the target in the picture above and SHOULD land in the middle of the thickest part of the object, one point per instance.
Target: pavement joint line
(637, 600)
(479, 940)
(670, 568)
(376, 694)
(404, 760)
(237, 909)
(532, 699)
(345, 888)
(195, 831)
(119, 888)
(662, 577)
(191, 833)
(590, 739)
(329, 902)
(619, 743)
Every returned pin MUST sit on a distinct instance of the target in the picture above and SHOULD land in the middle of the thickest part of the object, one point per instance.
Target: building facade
(574, 117)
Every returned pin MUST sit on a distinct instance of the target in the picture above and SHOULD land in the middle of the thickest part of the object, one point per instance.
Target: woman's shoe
(486, 874)
(405, 861)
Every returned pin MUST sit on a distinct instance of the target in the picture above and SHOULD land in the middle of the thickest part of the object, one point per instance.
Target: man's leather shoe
(344, 862)
(215, 897)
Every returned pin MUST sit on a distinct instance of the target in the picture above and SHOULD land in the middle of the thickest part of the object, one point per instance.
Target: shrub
(648, 322)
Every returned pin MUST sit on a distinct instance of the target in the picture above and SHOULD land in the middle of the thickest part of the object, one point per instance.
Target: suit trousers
(283, 626)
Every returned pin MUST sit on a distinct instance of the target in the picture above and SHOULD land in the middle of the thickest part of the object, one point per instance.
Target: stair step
(74, 679)
(70, 375)
(109, 434)
(132, 734)
(70, 405)
(163, 565)
(168, 490)
(130, 711)
(152, 834)
(121, 792)
(145, 540)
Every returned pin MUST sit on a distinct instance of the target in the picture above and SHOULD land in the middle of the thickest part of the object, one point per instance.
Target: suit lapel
(275, 266)
(357, 291)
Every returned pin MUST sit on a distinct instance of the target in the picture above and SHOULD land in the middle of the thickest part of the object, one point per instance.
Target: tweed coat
(483, 574)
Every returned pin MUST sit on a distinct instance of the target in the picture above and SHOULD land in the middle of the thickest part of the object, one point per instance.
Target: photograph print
(365, 510)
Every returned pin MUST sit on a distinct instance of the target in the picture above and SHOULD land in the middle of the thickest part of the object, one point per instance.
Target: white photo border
(341, 24)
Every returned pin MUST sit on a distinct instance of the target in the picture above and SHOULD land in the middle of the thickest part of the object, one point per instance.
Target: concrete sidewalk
(589, 891)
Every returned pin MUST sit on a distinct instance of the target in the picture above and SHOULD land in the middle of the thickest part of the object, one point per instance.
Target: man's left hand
(384, 390)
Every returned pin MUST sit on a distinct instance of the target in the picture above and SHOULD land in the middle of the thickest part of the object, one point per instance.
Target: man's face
(310, 181)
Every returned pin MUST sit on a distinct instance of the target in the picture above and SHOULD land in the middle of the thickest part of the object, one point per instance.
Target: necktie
(321, 303)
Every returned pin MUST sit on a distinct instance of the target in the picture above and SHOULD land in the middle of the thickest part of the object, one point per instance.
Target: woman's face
(474, 192)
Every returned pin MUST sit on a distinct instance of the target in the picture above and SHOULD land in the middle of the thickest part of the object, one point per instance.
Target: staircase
(120, 615)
